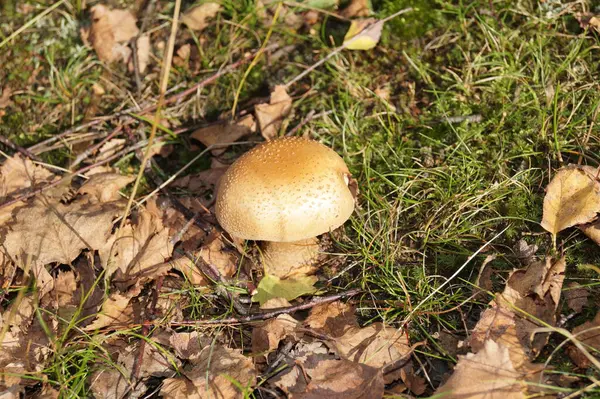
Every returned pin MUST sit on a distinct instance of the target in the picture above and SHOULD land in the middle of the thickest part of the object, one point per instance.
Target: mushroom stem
(288, 259)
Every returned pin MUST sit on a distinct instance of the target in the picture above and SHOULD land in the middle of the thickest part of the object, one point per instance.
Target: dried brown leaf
(572, 198)
(376, 345)
(592, 230)
(589, 332)
(139, 251)
(55, 232)
(108, 149)
(212, 375)
(270, 116)
(576, 296)
(342, 379)
(104, 187)
(115, 382)
(216, 254)
(197, 18)
(489, 374)
(266, 337)
(116, 311)
(332, 319)
(110, 32)
(5, 100)
(223, 134)
(143, 54)
(357, 8)
(18, 173)
(530, 295)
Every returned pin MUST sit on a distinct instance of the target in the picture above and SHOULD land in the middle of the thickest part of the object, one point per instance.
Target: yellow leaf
(572, 198)
(363, 34)
(290, 288)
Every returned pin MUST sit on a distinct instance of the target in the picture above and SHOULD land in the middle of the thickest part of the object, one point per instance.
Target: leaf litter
(65, 244)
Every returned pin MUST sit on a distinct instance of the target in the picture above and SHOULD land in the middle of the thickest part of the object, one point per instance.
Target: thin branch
(18, 148)
(270, 314)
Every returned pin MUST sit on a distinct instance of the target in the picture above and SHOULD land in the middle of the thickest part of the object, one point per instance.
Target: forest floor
(453, 124)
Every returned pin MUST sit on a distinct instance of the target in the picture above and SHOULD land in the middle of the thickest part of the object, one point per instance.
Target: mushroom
(286, 192)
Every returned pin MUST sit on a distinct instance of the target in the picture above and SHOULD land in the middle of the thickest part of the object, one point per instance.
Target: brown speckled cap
(285, 190)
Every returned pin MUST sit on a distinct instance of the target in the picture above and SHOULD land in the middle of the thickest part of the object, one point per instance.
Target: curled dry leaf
(197, 18)
(110, 32)
(142, 45)
(576, 296)
(5, 100)
(488, 374)
(110, 148)
(572, 198)
(223, 134)
(587, 333)
(592, 230)
(530, 295)
(16, 174)
(212, 376)
(270, 116)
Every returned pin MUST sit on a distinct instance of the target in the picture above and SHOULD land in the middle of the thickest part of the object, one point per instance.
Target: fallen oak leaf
(375, 345)
(342, 379)
(217, 372)
(110, 32)
(196, 18)
(104, 187)
(223, 134)
(576, 296)
(137, 250)
(270, 116)
(54, 232)
(332, 319)
(572, 198)
(488, 374)
(115, 311)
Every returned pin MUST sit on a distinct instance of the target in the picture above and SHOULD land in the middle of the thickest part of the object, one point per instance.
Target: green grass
(431, 191)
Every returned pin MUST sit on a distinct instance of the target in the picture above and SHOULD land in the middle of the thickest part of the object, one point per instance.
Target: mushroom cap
(285, 190)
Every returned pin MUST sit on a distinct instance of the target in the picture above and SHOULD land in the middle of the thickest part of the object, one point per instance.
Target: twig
(84, 155)
(18, 148)
(309, 117)
(269, 315)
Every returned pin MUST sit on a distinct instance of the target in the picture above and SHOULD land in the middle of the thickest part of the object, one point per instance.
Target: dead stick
(18, 148)
(271, 314)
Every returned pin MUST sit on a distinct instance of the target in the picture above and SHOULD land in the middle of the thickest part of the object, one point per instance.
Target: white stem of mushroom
(289, 259)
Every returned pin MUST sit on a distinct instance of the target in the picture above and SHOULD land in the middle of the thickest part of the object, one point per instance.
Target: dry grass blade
(163, 89)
